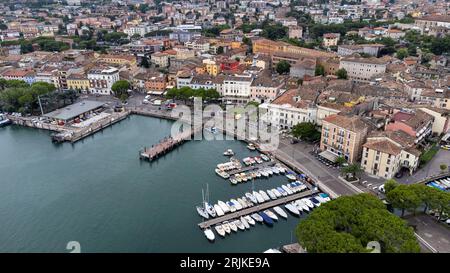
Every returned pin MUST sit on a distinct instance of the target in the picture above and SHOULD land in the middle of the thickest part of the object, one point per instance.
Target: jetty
(255, 208)
(251, 168)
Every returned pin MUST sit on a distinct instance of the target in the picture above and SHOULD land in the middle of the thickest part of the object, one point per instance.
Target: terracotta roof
(383, 145)
(351, 123)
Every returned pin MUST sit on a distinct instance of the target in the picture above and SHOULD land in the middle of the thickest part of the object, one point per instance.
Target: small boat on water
(247, 201)
(225, 208)
(251, 147)
(315, 202)
(251, 197)
(267, 220)
(210, 209)
(281, 169)
(242, 203)
(222, 174)
(253, 175)
(231, 206)
(271, 214)
(258, 159)
(269, 171)
(271, 195)
(292, 209)
(228, 152)
(302, 206)
(239, 224)
(308, 202)
(275, 170)
(250, 220)
(258, 197)
(252, 160)
(264, 173)
(202, 212)
(264, 195)
(280, 212)
(264, 157)
(233, 226)
(257, 217)
(244, 177)
(4, 120)
(244, 222)
(209, 234)
(220, 230)
(276, 193)
(233, 181)
(283, 192)
(226, 227)
(238, 178)
(237, 205)
(286, 189)
(218, 210)
(291, 177)
(325, 196)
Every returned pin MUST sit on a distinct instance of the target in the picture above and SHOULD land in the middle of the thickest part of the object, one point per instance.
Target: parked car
(145, 101)
(381, 189)
(445, 147)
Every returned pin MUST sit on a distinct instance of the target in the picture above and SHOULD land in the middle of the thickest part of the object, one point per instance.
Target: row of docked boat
(260, 173)
(248, 161)
(267, 216)
(248, 200)
(442, 184)
(233, 164)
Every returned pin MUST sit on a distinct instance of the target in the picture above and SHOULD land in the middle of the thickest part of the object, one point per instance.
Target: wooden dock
(253, 167)
(256, 208)
(167, 144)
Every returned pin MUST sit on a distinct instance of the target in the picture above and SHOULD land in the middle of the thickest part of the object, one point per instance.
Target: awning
(329, 155)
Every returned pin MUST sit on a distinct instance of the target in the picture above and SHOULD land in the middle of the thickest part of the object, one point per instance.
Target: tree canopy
(283, 67)
(185, 93)
(348, 223)
(120, 89)
(305, 130)
(341, 73)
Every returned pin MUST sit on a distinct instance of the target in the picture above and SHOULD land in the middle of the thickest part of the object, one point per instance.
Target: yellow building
(78, 82)
(212, 68)
(118, 59)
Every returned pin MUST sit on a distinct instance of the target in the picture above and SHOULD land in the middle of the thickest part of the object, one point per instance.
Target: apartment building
(343, 136)
(102, 79)
(363, 69)
(386, 153)
(418, 125)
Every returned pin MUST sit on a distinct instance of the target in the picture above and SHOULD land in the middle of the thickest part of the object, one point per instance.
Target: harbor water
(97, 192)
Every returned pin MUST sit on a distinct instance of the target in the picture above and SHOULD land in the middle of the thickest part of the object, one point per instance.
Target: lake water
(99, 193)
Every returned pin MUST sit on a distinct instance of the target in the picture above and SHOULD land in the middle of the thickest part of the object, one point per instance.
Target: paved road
(433, 236)
(326, 175)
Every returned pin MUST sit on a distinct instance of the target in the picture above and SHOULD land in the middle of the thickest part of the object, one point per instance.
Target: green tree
(389, 185)
(219, 50)
(341, 73)
(348, 223)
(283, 67)
(120, 89)
(145, 63)
(443, 167)
(340, 160)
(404, 198)
(427, 195)
(320, 70)
(305, 130)
(402, 53)
(353, 169)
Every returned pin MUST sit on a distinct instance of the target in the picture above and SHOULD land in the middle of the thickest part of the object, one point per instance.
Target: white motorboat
(271, 214)
(280, 212)
(269, 171)
(264, 173)
(258, 159)
(258, 197)
(264, 195)
(277, 193)
(222, 174)
(231, 206)
(210, 209)
(251, 147)
(244, 222)
(281, 169)
(271, 195)
(225, 208)
(237, 205)
(320, 199)
(291, 177)
(4, 120)
(202, 212)
(308, 202)
(301, 205)
(251, 197)
(286, 189)
(283, 192)
(233, 181)
(218, 210)
(209, 234)
(226, 227)
(242, 203)
(258, 174)
(293, 209)
(239, 224)
(327, 198)
(247, 201)
(250, 220)
(264, 157)
(220, 230)
(275, 170)
(257, 217)
(228, 152)
(233, 226)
